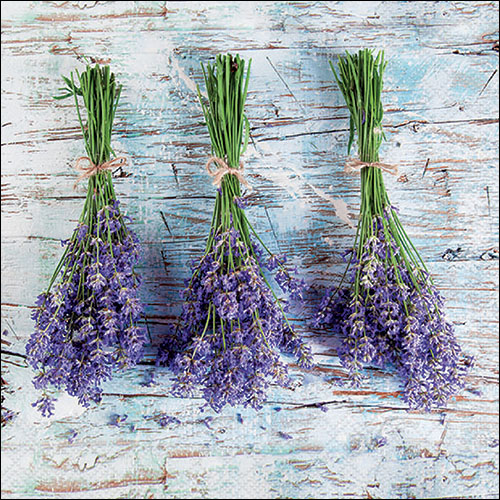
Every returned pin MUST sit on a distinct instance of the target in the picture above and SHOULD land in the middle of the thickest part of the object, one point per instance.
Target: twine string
(224, 169)
(87, 171)
(354, 165)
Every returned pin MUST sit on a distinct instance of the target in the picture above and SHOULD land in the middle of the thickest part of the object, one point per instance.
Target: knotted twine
(354, 165)
(224, 169)
(93, 169)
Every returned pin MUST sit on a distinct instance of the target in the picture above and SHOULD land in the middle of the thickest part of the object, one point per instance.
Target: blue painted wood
(318, 440)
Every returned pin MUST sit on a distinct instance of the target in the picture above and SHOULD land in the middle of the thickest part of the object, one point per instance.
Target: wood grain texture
(319, 440)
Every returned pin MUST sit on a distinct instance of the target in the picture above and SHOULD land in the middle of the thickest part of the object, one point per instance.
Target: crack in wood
(489, 80)
(425, 166)
(284, 83)
(165, 222)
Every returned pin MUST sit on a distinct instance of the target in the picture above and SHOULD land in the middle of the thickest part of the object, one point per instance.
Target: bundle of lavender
(391, 313)
(232, 325)
(86, 322)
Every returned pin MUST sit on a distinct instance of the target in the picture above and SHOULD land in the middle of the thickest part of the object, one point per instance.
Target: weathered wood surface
(319, 440)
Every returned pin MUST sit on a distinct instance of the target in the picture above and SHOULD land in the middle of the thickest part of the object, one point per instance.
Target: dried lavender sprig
(391, 312)
(86, 322)
(232, 325)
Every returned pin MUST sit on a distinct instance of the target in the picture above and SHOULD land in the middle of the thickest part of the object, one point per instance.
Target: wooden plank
(319, 440)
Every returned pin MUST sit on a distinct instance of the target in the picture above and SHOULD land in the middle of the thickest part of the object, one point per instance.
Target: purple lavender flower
(241, 202)
(45, 404)
(86, 325)
(232, 326)
(116, 420)
(378, 442)
(231, 330)
(164, 420)
(71, 435)
(86, 322)
(392, 314)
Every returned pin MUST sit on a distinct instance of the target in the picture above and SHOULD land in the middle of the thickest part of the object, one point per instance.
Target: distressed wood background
(318, 440)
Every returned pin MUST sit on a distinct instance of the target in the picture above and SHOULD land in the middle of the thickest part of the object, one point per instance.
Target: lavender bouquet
(391, 313)
(86, 322)
(232, 325)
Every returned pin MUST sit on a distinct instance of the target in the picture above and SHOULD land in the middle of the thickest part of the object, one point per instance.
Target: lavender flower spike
(390, 313)
(86, 323)
(232, 326)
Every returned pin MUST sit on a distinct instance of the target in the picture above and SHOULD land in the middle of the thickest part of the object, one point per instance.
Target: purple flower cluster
(392, 314)
(233, 326)
(86, 326)
(162, 419)
(117, 420)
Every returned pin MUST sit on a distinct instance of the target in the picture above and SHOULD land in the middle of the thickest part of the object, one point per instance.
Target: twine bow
(92, 169)
(354, 165)
(223, 169)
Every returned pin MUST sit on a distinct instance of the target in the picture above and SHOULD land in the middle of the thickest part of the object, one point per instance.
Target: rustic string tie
(87, 171)
(224, 169)
(354, 165)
